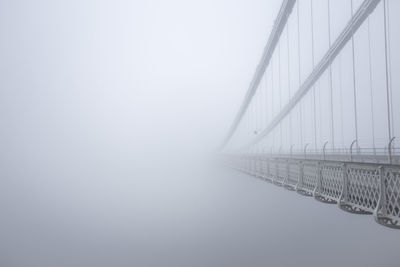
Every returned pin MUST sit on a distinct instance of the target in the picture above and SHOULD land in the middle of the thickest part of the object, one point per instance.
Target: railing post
(305, 151)
(383, 190)
(254, 161)
(390, 149)
(323, 149)
(291, 150)
(248, 163)
(345, 192)
(260, 165)
(299, 184)
(351, 149)
(318, 187)
(256, 164)
(285, 182)
(380, 209)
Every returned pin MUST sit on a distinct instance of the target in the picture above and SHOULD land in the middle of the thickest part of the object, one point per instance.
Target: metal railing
(360, 188)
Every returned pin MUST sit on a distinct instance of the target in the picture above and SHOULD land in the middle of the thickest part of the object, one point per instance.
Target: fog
(105, 75)
(110, 115)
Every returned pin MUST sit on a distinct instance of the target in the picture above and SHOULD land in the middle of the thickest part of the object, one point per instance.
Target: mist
(111, 113)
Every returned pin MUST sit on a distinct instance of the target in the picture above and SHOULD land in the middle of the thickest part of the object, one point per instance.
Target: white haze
(109, 110)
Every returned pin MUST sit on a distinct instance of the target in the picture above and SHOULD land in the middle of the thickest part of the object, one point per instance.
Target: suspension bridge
(322, 113)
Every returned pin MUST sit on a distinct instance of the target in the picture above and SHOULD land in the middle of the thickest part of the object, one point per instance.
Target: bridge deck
(357, 187)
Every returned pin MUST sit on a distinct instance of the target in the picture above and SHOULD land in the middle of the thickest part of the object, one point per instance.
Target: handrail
(355, 187)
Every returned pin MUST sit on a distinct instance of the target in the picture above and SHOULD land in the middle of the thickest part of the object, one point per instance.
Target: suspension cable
(387, 68)
(371, 85)
(280, 87)
(330, 78)
(341, 98)
(390, 64)
(273, 93)
(265, 99)
(299, 65)
(254, 116)
(354, 81)
(313, 65)
(288, 70)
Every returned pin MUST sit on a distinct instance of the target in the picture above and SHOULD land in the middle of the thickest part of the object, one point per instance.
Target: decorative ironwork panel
(309, 176)
(331, 180)
(392, 192)
(267, 169)
(363, 186)
(293, 172)
(272, 168)
(358, 188)
(256, 166)
(281, 171)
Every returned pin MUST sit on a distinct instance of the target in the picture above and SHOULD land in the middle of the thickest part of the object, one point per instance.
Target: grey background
(108, 113)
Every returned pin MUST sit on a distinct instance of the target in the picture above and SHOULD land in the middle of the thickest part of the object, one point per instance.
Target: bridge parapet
(360, 188)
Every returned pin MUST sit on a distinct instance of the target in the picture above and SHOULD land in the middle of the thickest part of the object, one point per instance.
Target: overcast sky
(89, 91)
(126, 73)
(96, 99)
